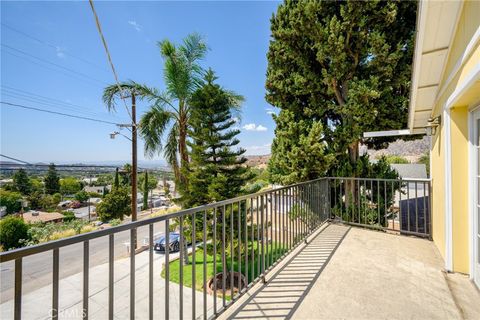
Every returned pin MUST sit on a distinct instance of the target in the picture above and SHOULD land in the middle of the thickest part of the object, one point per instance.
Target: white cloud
(261, 128)
(270, 111)
(254, 127)
(136, 25)
(60, 52)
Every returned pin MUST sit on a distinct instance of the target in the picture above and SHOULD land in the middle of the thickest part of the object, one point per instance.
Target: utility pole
(134, 165)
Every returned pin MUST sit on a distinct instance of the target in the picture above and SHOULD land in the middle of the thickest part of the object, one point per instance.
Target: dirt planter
(239, 282)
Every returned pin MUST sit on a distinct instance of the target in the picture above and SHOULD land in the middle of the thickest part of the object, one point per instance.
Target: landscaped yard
(274, 252)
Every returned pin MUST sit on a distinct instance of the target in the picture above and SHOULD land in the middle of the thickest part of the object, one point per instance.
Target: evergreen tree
(145, 191)
(116, 182)
(216, 171)
(52, 181)
(21, 182)
(343, 65)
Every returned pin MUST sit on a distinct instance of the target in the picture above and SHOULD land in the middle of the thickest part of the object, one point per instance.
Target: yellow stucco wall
(468, 24)
(460, 222)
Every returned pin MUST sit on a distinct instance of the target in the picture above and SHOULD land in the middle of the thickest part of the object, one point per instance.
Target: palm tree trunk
(182, 147)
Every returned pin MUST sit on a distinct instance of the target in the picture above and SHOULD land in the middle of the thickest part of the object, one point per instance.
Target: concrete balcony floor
(353, 273)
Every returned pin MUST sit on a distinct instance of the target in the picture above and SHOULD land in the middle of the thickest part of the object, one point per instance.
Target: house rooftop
(41, 216)
(410, 170)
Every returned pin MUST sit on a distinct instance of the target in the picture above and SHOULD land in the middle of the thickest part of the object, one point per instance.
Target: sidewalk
(37, 304)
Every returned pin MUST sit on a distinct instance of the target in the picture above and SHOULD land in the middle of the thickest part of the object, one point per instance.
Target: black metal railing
(402, 205)
(237, 241)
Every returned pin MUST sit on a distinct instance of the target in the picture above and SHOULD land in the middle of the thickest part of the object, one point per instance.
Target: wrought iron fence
(233, 242)
(403, 205)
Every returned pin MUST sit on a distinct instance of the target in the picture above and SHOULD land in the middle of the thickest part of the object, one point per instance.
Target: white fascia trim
(460, 62)
(448, 192)
(417, 58)
(471, 78)
(388, 133)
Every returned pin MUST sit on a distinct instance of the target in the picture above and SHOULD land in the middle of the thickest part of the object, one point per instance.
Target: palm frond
(171, 149)
(114, 92)
(152, 127)
(194, 47)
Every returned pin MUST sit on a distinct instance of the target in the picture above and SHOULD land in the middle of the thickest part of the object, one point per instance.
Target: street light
(114, 134)
(133, 130)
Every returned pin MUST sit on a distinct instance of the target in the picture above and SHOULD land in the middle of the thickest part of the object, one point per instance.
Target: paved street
(37, 269)
(37, 303)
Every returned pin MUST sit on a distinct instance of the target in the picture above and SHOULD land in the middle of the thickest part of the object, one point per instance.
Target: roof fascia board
(417, 58)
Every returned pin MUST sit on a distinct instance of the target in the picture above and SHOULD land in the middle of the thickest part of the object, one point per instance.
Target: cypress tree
(145, 191)
(116, 182)
(21, 182)
(52, 181)
(337, 69)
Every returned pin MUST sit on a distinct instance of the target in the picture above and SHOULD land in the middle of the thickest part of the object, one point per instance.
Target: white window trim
(448, 192)
(470, 79)
(471, 185)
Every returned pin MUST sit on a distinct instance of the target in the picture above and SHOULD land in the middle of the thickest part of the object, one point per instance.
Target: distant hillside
(258, 161)
(411, 150)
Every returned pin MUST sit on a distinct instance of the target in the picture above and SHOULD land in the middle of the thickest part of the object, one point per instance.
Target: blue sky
(69, 65)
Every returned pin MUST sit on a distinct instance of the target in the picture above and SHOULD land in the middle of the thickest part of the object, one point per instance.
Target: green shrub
(13, 232)
(82, 196)
(11, 200)
(115, 222)
(394, 159)
(68, 216)
(115, 205)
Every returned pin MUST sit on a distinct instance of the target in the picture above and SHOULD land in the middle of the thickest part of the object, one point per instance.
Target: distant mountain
(260, 161)
(411, 150)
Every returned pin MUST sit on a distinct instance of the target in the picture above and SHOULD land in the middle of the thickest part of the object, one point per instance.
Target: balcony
(294, 252)
(352, 273)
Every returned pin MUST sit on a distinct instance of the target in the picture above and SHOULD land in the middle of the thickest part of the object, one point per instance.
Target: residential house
(445, 103)
(40, 216)
(97, 189)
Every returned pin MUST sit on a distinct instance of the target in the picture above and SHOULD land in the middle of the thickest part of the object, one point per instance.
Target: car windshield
(174, 236)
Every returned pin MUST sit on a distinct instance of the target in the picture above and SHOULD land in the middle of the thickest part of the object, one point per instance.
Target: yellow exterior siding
(468, 23)
(460, 222)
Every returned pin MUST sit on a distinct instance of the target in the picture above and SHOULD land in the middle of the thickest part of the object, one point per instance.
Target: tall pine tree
(21, 182)
(216, 171)
(52, 181)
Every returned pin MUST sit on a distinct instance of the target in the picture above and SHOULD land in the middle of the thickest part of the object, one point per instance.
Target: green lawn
(187, 269)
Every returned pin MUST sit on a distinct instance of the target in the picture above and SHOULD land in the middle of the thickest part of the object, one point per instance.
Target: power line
(55, 112)
(40, 165)
(47, 67)
(99, 28)
(52, 63)
(52, 46)
(47, 104)
(47, 101)
(2, 155)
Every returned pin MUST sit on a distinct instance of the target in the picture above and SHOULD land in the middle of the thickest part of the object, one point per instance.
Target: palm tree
(171, 110)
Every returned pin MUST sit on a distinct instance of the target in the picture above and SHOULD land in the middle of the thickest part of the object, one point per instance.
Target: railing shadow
(280, 297)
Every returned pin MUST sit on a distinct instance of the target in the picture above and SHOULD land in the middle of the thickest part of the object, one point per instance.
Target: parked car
(174, 239)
